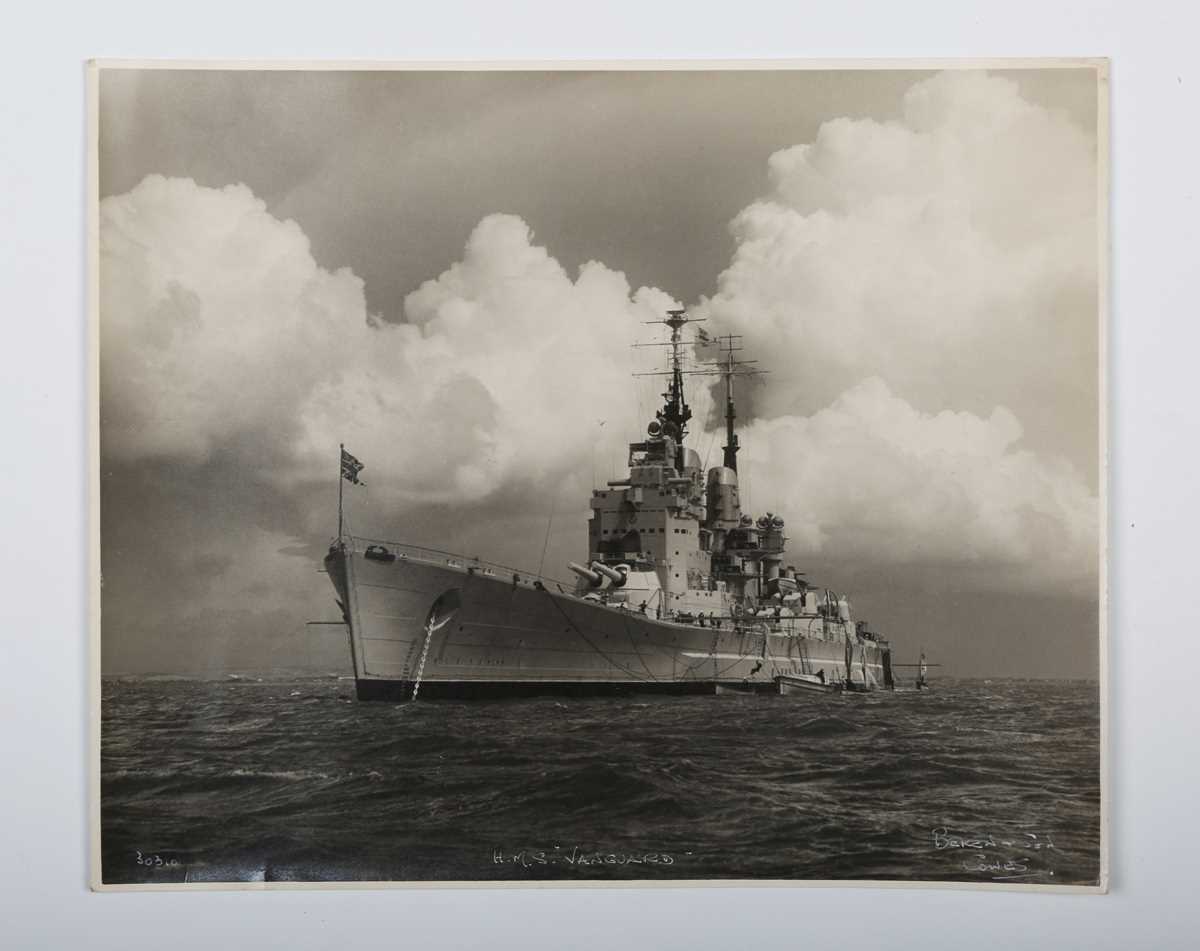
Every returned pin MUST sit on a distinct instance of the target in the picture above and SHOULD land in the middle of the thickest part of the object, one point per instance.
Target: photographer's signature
(992, 855)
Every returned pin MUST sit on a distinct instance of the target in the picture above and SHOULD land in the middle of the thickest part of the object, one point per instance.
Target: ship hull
(464, 629)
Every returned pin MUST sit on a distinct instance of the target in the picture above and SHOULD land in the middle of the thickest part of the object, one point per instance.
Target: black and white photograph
(575, 474)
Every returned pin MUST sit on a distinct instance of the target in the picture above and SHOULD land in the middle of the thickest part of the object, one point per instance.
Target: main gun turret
(595, 574)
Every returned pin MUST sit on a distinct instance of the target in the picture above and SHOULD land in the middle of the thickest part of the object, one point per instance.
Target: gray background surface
(1153, 424)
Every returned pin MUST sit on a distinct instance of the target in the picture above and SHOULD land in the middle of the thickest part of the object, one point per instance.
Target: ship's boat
(682, 591)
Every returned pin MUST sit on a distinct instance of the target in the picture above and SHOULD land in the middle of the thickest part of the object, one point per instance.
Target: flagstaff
(348, 469)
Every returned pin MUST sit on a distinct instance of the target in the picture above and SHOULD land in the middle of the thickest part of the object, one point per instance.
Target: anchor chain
(424, 654)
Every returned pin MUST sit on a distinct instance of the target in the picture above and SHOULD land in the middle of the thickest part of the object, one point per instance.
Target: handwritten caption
(578, 857)
(156, 861)
(994, 855)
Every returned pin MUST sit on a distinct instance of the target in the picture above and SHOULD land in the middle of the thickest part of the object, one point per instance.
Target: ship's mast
(730, 371)
(676, 410)
(729, 367)
(675, 414)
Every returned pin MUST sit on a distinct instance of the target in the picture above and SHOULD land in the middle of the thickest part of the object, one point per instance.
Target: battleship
(682, 590)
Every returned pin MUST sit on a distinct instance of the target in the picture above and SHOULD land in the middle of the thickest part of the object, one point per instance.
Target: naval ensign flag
(351, 467)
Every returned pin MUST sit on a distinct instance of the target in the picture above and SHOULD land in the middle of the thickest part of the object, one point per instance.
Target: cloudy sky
(446, 271)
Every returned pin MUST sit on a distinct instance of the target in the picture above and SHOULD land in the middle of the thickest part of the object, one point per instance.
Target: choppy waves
(973, 781)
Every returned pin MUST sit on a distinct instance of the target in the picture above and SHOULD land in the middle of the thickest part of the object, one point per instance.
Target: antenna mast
(729, 367)
(675, 412)
(730, 371)
(676, 409)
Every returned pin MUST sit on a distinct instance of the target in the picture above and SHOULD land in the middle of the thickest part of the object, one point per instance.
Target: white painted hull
(512, 633)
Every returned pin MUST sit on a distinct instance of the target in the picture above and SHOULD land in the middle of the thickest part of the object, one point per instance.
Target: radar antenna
(675, 413)
(676, 410)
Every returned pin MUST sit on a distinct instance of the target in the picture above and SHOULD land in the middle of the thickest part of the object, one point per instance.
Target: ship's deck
(405, 552)
(389, 551)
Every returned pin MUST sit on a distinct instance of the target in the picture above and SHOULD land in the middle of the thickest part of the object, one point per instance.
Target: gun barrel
(586, 574)
(612, 574)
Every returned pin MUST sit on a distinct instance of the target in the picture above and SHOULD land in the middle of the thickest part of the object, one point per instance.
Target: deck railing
(803, 625)
(434, 556)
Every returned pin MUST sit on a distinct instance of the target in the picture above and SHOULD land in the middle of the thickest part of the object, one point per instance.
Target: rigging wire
(633, 644)
(546, 542)
(588, 641)
(708, 452)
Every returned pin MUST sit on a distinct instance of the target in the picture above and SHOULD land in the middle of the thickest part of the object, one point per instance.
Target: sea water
(295, 780)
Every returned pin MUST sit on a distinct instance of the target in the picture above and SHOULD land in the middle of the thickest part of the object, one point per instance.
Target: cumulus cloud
(871, 479)
(216, 322)
(221, 333)
(905, 281)
(924, 293)
(951, 251)
(499, 378)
